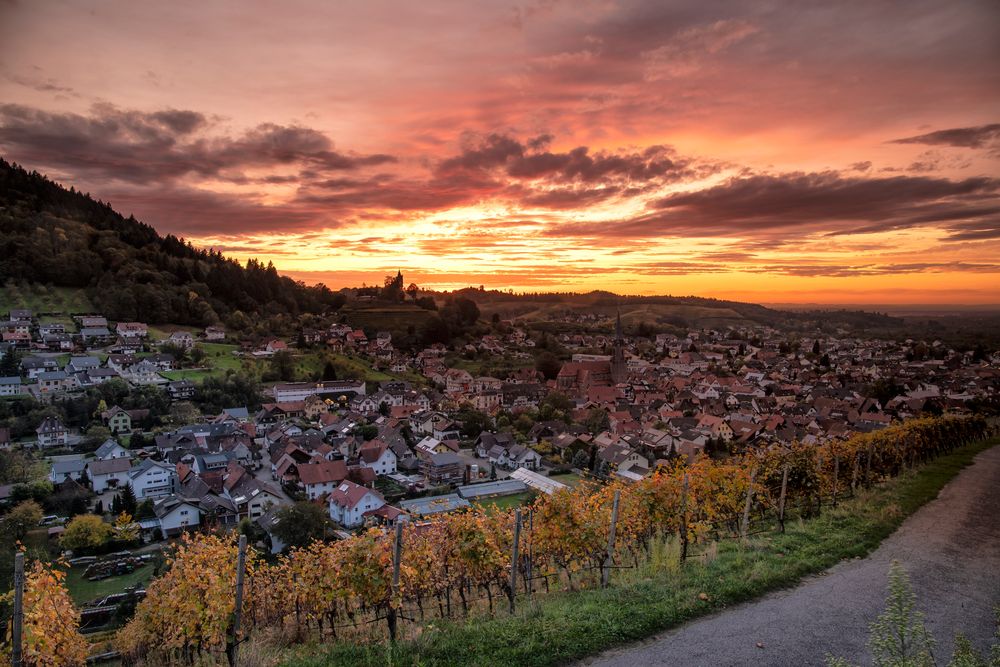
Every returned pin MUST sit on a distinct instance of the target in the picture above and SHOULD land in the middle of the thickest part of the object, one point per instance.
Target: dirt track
(950, 547)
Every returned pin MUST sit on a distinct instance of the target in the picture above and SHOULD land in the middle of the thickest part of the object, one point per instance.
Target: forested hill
(64, 238)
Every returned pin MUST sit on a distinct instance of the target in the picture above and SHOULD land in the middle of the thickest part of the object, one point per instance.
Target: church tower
(619, 368)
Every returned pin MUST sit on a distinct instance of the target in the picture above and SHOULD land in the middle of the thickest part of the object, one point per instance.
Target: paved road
(950, 547)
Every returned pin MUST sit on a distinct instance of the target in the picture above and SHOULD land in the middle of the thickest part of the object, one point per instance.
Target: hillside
(67, 252)
(65, 240)
(675, 311)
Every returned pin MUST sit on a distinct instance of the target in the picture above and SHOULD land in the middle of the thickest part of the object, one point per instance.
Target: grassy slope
(382, 317)
(313, 362)
(44, 299)
(632, 314)
(657, 596)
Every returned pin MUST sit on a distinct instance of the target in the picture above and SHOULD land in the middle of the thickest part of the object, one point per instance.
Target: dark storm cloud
(505, 168)
(189, 212)
(530, 161)
(964, 137)
(800, 203)
(976, 230)
(42, 85)
(147, 148)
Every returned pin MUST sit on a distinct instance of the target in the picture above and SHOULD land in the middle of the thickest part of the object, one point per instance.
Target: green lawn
(658, 595)
(83, 591)
(193, 374)
(504, 502)
(220, 356)
(568, 478)
(62, 319)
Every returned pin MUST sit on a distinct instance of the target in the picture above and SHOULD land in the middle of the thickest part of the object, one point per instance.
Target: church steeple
(618, 326)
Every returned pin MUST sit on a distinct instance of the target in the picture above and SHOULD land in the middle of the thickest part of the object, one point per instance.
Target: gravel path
(950, 548)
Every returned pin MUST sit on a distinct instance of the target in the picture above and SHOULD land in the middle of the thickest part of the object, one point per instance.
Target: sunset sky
(830, 152)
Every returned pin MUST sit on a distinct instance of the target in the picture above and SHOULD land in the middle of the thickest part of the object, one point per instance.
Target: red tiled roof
(323, 472)
(348, 494)
(372, 450)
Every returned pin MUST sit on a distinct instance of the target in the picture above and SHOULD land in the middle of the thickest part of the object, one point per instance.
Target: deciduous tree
(85, 531)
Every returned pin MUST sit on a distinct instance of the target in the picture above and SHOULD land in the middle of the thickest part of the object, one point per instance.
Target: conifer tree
(129, 502)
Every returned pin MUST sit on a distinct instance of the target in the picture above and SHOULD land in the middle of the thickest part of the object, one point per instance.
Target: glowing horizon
(847, 155)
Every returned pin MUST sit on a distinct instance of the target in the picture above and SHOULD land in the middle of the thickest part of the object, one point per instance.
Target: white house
(53, 382)
(378, 456)
(514, 457)
(152, 479)
(111, 450)
(176, 514)
(132, 330)
(108, 473)
(457, 381)
(181, 339)
(268, 521)
(65, 469)
(321, 477)
(51, 433)
(215, 333)
(253, 498)
(349, 502)
(144, 372)
(10, 386)
(624, 460)
(289, 392)
(524, 457)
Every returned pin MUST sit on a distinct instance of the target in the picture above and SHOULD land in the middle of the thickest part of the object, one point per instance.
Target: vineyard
(376, 586)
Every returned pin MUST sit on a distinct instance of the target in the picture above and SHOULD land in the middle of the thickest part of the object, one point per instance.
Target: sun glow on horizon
(725, 150)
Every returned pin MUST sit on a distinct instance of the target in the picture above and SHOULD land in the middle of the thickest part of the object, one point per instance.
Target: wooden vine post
(836, 473)
(745, 523)
(868, 467)
(17, 623)
(397, 553)
(781, 498)
(854, 473)
(608, 557)
(528, 566)
(233, 646)
(684, 519)
(513, 558)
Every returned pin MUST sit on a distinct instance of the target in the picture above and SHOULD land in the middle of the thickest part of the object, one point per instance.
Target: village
(437, 437)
